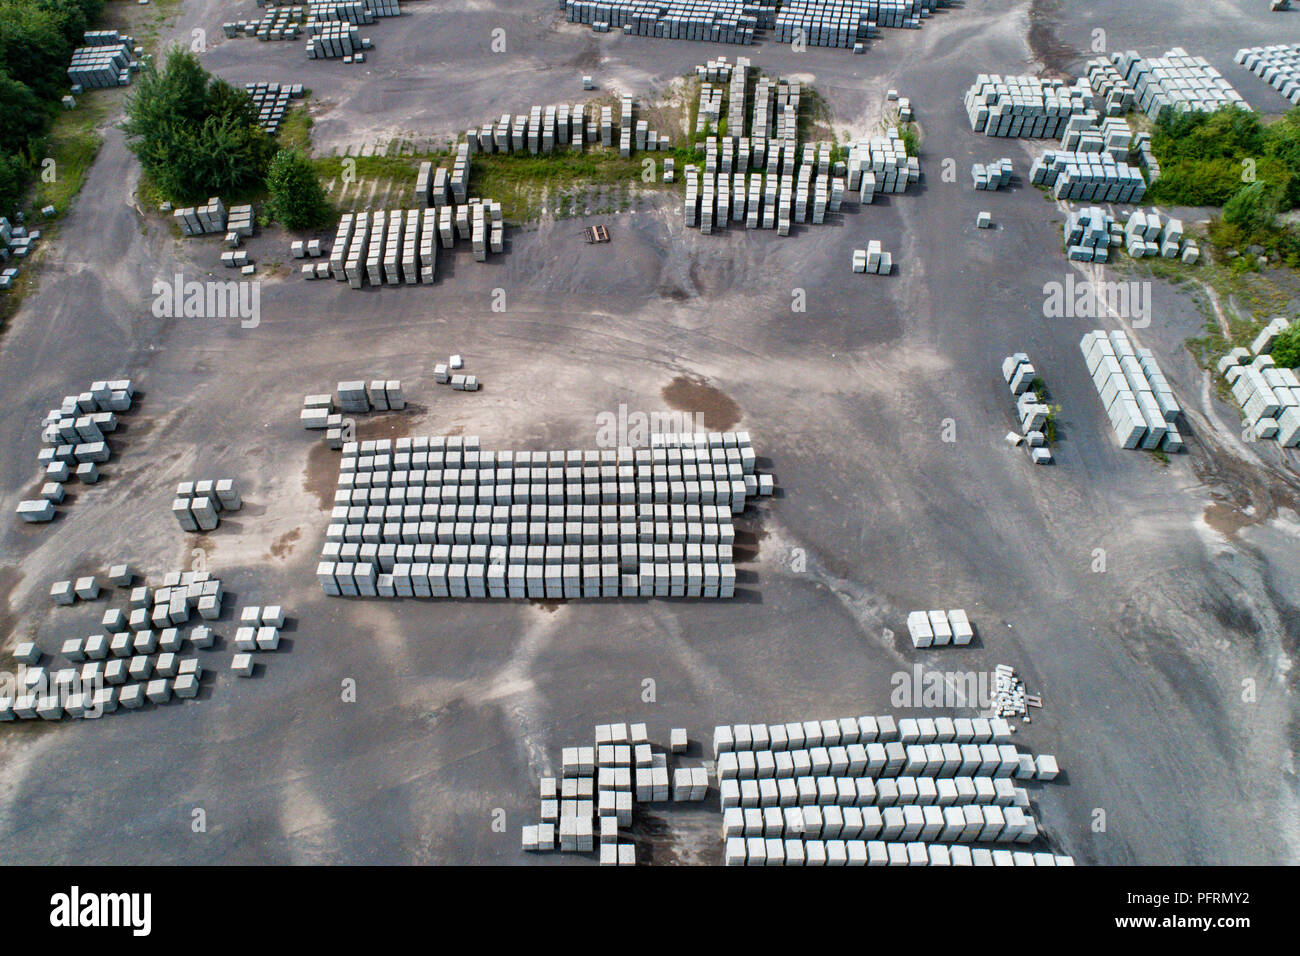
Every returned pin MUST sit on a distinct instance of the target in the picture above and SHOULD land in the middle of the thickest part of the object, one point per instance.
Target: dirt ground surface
(1154, 606)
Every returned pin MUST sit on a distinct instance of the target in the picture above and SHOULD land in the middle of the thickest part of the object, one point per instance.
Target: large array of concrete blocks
(138, 657)
(330, 26)
(1278, 65)
(443, 517)
(271, 100)
(592, 800)
(74, 442)
(1138, 400)
(790, 183)
(1176, 81)
(400, 247)
(1269, 394)
(875, 791)
(846, 24)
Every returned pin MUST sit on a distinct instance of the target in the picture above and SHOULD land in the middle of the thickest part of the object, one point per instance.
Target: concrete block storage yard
(878, 408)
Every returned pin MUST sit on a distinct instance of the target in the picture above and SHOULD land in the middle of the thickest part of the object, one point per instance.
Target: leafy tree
(14, 176)
(1286, 347)
(297, 199)
(35, 47)
(195, 135)
(22, 117)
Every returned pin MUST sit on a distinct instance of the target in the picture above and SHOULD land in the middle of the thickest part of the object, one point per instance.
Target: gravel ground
(461, 706)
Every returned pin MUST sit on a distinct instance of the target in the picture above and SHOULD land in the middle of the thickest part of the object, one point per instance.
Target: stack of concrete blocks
(1268, 394)
(717, 21)
(598, 788)
(400, 247)
(1009, 697)
(993, 175)
(1024, 106)
(1277, 65)
(1176, 81)
(1148, 234)
(1088, 177)
(1019, 374)
(15, 242)
(847, 24)
(73, 439)
(1089, 234)
(1138, 400)
(203, 220)
(1146, 157)
(881, 165)
(198, 504)
(107, 59)
(1115, 94)
(875, 791)
(939, 628)
(441, 517)
(333, 40)
(271, 100)
(259, 628)
(873, 260)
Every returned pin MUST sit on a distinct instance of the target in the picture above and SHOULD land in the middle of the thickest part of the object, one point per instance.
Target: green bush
(1253, 208)
(14, 176)
(22, 117)
(296, 197)
(1286, 347)
(196, 136)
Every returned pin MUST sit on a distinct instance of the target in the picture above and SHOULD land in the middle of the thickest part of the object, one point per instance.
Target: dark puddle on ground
(688, 393)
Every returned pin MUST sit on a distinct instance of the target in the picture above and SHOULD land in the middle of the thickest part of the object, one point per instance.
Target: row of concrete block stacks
(1268, 394)
(597, 790)
(128, 663)
(544, 129)
(271, 100)
(1024, 106)
(848, 24)
(880, 164)
(1019, 374)
(873, 259)
(87, 588)
(715, 21)
(278, 23)
(992, 175)
(1176, 81)
(107, 59)
(1089, 234)
(939, 628)
(73, 440)
(354, 398)
(873, 791)
(1137, 398)
(201, 220)
(1117, 95)
(198, 505)
(1278, 65)
(440, 516)
(1088, 177)
(775, 203)
(16, 242)
(336, 40)
(401, 247)
(1150, 233)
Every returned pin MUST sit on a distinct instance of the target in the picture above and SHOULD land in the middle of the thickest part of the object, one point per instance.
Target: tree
(297, 199)
(14, 176)
(21, 115)
(1286, 347)
(195, 135)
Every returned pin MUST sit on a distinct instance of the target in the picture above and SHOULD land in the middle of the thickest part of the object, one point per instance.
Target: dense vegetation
(196, 136)
(1231, 158)
(296, 197)
(37, 38)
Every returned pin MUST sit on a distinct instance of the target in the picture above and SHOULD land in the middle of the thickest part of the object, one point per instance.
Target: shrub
(296, 197)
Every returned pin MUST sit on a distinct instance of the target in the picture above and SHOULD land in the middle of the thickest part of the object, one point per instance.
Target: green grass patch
(295, 130)
(73, 143)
